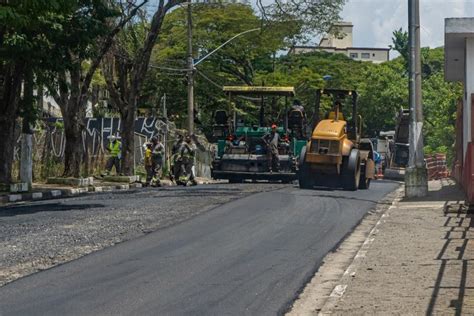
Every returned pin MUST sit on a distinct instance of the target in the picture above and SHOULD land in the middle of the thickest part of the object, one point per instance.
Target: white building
(340, 40)
(459, 67)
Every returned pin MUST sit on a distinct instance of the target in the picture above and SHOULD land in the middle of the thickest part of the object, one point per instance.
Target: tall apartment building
(340, 40)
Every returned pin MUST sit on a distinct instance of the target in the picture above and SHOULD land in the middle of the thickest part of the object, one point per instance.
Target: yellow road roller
(336, 156)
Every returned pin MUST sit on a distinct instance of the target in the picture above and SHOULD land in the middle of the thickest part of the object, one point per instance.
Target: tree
(26, 32)
(235, 63)
(311, 16)
(87, 35)
(400, 44)
(382, 96)
(125, 74)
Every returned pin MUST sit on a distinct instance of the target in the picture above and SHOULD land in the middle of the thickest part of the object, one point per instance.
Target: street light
(225, 43)
(191, 65)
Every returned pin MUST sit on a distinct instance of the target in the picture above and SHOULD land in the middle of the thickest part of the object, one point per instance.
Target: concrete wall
(343, 39)
(375, 56)
(468, 91)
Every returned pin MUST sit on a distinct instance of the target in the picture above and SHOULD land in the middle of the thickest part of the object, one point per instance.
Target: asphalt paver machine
(241, 151)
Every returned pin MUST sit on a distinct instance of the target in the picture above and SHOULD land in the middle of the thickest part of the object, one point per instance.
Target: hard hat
(112, 137)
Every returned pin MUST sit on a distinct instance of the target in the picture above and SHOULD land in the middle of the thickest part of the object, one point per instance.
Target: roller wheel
(351, 171)
(236, 180)
(364, 182)
(304, 178)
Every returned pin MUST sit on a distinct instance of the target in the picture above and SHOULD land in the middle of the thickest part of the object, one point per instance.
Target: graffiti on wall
(96, 135)
(97, 132)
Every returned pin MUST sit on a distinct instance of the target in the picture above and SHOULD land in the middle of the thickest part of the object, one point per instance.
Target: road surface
(250, 256)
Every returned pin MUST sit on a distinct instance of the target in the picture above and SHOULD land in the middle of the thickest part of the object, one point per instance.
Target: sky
(375, 20)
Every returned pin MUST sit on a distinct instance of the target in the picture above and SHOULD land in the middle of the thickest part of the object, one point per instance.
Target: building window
(354, 55)
(365, 55)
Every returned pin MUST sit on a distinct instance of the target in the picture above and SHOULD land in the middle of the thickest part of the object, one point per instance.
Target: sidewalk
(419, 260)
(43, 191)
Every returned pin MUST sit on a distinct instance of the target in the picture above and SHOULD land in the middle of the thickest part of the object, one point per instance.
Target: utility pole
(165, 137)
(416, 179)
(190, 73)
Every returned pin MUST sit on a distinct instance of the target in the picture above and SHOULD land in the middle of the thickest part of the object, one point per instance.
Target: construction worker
(115, 150)
(177, 144)
(175, 164)
(272, 140)
(148, 163)
(298, 107)
(157, 155)
(187, 152)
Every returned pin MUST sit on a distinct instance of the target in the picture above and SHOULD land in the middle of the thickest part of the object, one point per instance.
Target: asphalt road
(250, 256)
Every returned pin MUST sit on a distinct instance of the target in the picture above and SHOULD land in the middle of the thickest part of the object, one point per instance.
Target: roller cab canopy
(261, 91)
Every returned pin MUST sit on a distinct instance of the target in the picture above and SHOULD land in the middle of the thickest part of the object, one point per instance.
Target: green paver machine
(241, 151)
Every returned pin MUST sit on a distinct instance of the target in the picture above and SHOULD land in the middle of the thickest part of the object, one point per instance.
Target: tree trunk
(11, 76)
(28, 115)
(7, 134)
(73, 154)
(128, 138)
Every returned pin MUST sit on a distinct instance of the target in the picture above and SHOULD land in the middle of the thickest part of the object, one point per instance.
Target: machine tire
(351, 171)
(364, 183)
(304, 179)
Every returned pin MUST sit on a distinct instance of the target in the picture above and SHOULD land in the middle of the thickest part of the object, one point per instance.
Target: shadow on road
(49, 207)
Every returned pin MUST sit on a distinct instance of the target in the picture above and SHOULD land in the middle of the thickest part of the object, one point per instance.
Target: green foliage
(383, 94)
(41, 30)
(400, 45)
(251, 59)
(310, 17)
(235, 63)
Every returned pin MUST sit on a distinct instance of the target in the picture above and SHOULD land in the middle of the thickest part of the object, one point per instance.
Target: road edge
(329, 282)
(59, 193)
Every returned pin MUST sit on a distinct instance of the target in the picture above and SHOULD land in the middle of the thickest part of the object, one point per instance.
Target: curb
(59, 193)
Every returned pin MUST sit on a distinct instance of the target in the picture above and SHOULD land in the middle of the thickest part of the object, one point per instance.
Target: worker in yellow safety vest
(115, 150)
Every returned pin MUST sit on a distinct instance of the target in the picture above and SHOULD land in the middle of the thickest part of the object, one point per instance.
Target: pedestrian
(157, 155)
(187, 153)
(148, 164)
(115, 150)
(272, 141)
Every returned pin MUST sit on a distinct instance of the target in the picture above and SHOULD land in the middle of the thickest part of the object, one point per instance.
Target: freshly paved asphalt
(250, 256)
